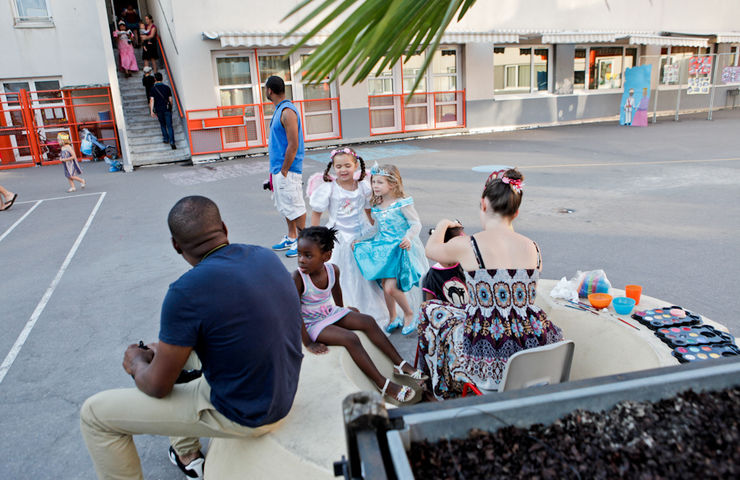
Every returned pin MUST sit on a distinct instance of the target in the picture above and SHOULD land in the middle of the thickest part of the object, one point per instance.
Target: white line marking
(17, 222)
(61, 198)
(15, 350)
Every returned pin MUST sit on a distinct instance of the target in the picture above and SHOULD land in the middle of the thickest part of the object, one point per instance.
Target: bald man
(238, 313)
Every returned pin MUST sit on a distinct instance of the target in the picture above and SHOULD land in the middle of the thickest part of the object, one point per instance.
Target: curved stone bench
(311, 437)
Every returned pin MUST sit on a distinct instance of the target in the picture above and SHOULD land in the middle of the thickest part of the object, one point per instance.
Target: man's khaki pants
(109, 419)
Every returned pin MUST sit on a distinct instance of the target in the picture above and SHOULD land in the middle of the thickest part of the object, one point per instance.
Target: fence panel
(683, 83)
(31, 120)
(394, 113)
(241, 127)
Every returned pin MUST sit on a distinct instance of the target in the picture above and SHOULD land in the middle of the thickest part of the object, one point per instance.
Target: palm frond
(374, 35)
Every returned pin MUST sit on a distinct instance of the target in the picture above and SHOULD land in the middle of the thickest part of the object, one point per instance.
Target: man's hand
(284, 171)
(134, 357)
(154, 115)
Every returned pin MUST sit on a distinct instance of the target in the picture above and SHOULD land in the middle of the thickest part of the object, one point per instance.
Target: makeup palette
(693, 335)
(705, 352)
(666, 317)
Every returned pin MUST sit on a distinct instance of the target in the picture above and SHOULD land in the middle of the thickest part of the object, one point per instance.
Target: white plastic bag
(566, 290)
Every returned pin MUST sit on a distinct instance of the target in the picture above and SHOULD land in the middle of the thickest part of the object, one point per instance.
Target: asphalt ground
(84, 274)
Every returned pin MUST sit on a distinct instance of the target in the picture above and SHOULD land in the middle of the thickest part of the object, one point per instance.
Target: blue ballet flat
(411, 327)
(398, 322)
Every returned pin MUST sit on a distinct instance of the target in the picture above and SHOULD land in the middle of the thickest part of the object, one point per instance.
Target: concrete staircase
(144, 133)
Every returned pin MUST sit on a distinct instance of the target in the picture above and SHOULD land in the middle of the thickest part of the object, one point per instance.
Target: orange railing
(241, 127)
(31, 120)
(394, 113)
(169, 76)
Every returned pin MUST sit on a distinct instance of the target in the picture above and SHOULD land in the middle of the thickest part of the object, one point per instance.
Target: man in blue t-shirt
(237, 312)
(286, 164)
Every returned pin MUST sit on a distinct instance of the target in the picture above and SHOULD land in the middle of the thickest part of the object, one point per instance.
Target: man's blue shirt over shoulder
(240, 311)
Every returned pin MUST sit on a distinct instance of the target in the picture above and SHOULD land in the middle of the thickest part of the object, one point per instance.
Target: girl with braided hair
(326, 321)
(346, 200)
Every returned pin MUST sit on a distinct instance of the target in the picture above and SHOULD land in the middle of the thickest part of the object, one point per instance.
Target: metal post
(712, 86)
(365, 417)
(655, 105)
(678, 101)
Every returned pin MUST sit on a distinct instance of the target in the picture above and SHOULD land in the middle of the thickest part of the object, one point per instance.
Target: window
(601, 68)
(436, 103)
(521, 69)
(29, 12)
(674, 64)
(238, 85)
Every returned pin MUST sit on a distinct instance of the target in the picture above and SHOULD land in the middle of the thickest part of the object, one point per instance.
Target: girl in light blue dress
(394, 256)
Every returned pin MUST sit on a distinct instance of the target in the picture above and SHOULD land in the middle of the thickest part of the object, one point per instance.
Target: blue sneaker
(285, 244)
(292, 251)
(397, 323)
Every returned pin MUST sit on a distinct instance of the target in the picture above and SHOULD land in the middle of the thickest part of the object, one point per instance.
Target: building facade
(507, 64)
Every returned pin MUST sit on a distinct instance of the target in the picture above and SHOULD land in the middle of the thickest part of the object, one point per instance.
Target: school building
(507, 64)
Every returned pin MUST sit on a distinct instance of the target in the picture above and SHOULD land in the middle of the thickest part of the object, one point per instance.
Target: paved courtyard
(84, 274)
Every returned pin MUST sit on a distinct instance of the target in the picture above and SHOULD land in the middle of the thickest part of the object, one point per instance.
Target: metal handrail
(169, 76)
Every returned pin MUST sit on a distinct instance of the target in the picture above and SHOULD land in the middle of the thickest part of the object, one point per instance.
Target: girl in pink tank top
(327, 322)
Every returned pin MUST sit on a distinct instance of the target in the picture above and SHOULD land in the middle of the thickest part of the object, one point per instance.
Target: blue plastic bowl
(623, 305)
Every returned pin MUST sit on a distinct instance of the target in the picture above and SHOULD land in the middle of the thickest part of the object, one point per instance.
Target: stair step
(141, 140)
(151, 159)
(157, 147)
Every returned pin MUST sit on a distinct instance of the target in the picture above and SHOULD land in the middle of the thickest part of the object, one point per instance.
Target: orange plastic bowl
(599, 300)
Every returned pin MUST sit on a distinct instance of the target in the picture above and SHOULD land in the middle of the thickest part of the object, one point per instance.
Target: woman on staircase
(125, 49)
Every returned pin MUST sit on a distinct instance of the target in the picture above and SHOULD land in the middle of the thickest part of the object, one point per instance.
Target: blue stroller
(90, 145)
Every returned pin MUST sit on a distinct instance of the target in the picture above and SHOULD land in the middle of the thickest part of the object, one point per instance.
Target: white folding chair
(546, 365)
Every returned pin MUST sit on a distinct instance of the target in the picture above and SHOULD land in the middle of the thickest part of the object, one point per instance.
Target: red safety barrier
(241, 127)
(31, 120)
(394, 113)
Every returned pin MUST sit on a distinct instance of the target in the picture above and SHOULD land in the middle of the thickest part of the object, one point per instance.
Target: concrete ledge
(311, 438)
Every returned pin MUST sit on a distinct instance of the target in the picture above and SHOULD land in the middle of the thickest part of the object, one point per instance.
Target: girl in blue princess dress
(394, 256)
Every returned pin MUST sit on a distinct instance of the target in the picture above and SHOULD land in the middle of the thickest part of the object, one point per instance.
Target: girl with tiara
(346, 199)
(394, 256)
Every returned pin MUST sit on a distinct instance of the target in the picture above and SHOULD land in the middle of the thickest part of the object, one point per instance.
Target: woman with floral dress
(473, 344)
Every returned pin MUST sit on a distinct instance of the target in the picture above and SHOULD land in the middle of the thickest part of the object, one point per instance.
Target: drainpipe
(115, 89)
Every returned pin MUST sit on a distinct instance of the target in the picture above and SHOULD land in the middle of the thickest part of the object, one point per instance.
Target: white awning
(666, 41)
(578, 37)
(480, 37)
(261, 39)
(732, 37)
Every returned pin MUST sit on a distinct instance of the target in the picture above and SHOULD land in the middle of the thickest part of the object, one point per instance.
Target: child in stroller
(90, 145)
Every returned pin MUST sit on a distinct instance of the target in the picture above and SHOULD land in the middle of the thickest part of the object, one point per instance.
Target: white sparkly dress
(346, 210)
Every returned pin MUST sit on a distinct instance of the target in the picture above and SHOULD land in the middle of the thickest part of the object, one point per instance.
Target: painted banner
(731, 75)
(670, 73)
(700, 65)
(636, 96)
(698, 86)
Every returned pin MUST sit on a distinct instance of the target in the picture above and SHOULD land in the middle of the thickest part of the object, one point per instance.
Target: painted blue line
(490, 168)
(377, 153)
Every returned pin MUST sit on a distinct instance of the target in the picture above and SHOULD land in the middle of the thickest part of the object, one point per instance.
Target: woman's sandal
(417, 375)
(407, 395)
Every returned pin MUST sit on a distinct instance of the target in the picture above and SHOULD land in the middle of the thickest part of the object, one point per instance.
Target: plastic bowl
(623, 305)
(599, 300)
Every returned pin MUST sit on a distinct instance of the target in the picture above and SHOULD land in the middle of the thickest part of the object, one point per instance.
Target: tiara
(376, 170)
(337, 151)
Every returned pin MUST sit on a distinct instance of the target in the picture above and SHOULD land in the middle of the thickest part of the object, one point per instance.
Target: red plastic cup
(633, 292)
